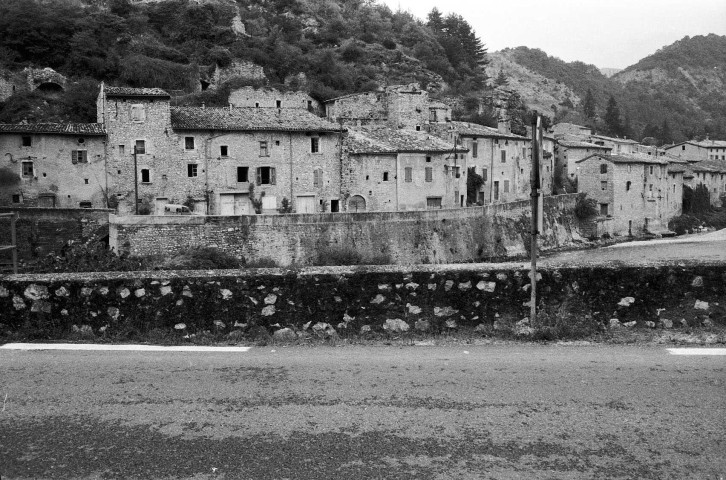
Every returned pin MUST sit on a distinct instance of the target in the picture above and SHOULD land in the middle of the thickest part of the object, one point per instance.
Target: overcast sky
(606, 33)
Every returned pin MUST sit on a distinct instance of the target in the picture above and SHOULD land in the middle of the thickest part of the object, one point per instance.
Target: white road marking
(127, 348)
(697, 351)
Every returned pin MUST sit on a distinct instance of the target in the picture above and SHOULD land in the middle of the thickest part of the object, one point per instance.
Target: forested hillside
(341, 46)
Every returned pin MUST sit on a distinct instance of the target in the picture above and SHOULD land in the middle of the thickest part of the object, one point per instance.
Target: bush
(684, 224)
(337, 255)
(585, 207)
(203, 258)
(565, 322)
(88, 257)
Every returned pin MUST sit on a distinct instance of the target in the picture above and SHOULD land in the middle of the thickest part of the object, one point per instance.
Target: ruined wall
(255, 303)
(269, 97)
(433, 236)
(44, 230)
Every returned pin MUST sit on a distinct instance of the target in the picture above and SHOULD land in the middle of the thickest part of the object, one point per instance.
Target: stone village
(392, 150)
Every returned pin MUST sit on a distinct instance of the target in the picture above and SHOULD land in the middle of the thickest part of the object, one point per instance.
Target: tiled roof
(244, 119)
(466, 129)
(134, 92)
(633, 158)
(54, 128)
(579, 144)
(614, 139)
(702, 144)
(438, 105)
(713, 166)
(383, 140)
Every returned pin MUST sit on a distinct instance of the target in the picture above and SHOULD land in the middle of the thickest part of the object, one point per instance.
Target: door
(226, 204)
(305, 204)
(496, 190)
(159, 203)
(241, 204)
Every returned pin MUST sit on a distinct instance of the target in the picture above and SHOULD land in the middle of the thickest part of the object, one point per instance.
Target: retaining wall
(432, 236)
(128, 305)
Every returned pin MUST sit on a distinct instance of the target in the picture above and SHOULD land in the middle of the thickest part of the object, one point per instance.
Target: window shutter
(273, 180)
(259, 176)
(74, 156)
(315, 178)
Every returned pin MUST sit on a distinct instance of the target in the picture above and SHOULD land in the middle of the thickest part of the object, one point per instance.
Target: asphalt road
(419, 412)
(704, 247)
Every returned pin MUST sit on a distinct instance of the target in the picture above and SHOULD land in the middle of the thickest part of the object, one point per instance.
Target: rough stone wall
(44, 230)
(268, 98)
(408, 108)
(363, 178)
(7, 87)
(237, 69)
(433, 236)
(715, 183)
(349, 301)
(400, 106)
(56, 180)
(569, 156)
(40, 77)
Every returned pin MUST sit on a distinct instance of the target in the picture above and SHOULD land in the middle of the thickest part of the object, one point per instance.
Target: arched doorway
(357, 204)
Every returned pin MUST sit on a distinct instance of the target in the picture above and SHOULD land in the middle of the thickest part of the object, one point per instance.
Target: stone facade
(45, 79)
(699, 150)
(712, 175)
(400, 106)
(618, 146)
(569, 152)
(266, 97)
(431, 236)
(561, 129)
(639, 193)
(53, 165)
(237, 69)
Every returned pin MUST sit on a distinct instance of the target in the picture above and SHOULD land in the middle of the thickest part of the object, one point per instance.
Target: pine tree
(612, 117)
(435, 20)
(588, 106)
(665, 134)
(501, 79)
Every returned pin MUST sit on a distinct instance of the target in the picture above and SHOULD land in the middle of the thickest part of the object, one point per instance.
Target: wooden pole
(14, 241)
(535, 181)
(136, 184)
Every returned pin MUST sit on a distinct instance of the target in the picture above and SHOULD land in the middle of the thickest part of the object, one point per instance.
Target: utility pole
(535, 181)
(136, 184)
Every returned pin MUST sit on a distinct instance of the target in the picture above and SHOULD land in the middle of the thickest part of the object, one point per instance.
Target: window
(243, 174)
(27, 169)
(138, 114)
(264, 152)
(27, 142)
(266, 176)
(433, 202)
(145, 175)
(651, 169)
(85, 180)
(429, 174)
(140, 147)
(408, 174)
(603, 209)
(85, 204)
(223, 150)
(484, 173)
(504, 156)
(506, 186)
(683, 147)
(496, 190)
(16, 198)
(474, 149)
(318, 177)
(603, 186)
(603, 168)
(314, 145)
(428, 159)
(385, 176)
(121, 149)
(189, 143)
(627, 186)
(191, 170)
(79, 156)
(334, 206)
(418, 128)
(278, 103)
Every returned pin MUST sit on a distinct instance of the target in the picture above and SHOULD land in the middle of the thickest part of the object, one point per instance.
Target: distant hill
(609, 72)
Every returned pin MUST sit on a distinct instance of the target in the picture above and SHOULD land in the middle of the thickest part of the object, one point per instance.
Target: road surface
(354, 412)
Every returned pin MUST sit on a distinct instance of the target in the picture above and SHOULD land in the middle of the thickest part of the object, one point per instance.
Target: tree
(588, 106)
(435, 20)
(612, 117)
(501, 79)
(664, 134)
(473, 182)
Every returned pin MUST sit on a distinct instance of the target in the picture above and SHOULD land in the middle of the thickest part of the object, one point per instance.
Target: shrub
(585, 207)
(88, 257)
(337, 255)
(684, 224)
(389, 43)
(203, 258)
(285, 206)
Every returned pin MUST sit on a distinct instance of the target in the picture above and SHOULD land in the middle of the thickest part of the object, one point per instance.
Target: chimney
(504, 126)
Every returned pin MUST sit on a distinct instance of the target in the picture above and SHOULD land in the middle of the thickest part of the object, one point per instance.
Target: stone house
(569, 152)
(702, 150)
(499, 156)
(53, 165)
(398, 106)
(210, 157)
(266, 97)
(559, 130)
(387, 169)
(618, 146)
(709, 173)
(640, 193)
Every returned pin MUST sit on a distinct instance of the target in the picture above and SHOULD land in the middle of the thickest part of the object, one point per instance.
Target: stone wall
(266, 97)
(44, 230)
(256, 303)
(432, 236)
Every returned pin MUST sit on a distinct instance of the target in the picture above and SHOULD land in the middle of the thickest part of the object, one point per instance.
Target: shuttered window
(408, 174)
(318, 177)
(266, 176)
(79, 156)
(429, 174)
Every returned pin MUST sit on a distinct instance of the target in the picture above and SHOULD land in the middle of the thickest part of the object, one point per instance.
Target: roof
(381, 140)
(438, 105)
(625, 159)
(614, 139)
(579, 144)
(701, 143)
(713, 166)
(134, 92)
(54, 128)
(466, 129)
(243, 119)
